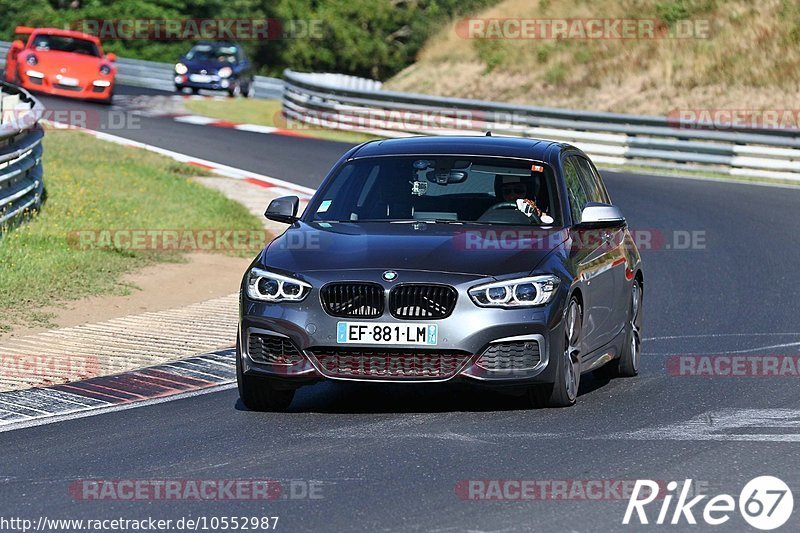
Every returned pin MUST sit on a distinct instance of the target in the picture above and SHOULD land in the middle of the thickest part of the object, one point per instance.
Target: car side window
(575, 190)
(594, 188)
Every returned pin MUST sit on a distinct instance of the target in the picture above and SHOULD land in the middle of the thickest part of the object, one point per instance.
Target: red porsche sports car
(61, 62)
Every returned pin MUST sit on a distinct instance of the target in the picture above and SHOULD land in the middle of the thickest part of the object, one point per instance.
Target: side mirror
(597, 215)
(283, 209)
(111, 56)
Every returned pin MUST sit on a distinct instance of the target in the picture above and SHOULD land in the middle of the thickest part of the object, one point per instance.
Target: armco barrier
(21, 184)
(153, 75)
(323, 100)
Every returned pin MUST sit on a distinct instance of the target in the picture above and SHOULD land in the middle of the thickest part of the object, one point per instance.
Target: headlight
(271, 287)
(105, 70)
(225, 72)
(180, 68)
(519, 292)
(32, 60)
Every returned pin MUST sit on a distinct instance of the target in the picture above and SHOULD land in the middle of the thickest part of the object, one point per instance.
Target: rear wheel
(564, 391)
(257, 394)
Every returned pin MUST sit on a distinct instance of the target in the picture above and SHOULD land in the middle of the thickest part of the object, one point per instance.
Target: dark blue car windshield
(443, 188)
(223, 54)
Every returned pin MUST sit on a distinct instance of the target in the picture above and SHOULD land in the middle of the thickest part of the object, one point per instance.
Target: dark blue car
(215, 66)
(493, 261)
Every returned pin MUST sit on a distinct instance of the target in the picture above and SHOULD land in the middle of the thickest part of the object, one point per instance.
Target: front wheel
(564, 392)
(627, 365)
(257, 394)
(249, 92)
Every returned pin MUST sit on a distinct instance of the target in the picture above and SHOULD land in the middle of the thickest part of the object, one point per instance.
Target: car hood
(478, 250)
(68, 64)
(209, 65)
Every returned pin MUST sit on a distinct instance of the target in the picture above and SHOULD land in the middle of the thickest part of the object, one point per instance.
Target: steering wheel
(503, 206)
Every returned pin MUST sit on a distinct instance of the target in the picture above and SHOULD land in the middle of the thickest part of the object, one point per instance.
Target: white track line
(100, 410)
(217, 168)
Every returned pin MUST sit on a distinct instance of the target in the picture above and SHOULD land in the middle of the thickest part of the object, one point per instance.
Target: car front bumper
(483, 345)
(101, 88)
(215, 84)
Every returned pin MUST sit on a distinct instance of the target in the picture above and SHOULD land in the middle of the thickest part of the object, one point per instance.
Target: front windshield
(59, 43)
(454, 189)
(207, 52)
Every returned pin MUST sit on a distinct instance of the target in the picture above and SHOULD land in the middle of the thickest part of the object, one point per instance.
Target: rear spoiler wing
(24, 30)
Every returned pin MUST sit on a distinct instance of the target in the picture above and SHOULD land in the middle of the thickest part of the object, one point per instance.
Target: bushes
(371, 38)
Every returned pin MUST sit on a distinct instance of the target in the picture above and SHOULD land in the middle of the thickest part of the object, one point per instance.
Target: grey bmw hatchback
(491, 260)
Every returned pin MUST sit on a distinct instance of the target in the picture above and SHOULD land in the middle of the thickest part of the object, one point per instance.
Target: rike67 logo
(765, 503)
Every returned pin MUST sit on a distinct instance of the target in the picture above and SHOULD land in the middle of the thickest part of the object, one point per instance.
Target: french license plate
(72, 82)
(200, 78)
(384, 333)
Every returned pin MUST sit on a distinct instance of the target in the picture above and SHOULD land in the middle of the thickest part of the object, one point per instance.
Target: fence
(319, 100)
(21, 183)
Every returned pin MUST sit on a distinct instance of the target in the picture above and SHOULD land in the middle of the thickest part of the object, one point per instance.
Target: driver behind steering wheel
(520, 191)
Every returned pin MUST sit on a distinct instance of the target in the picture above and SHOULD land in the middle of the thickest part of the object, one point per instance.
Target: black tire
(235, 91)
(627, 365)
(564, 391)
(195, 90)
(257, 394)
(248, 92)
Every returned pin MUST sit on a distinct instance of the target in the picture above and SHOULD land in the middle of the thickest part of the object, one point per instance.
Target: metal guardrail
(320, 100)
(153, 75)
(21, 183)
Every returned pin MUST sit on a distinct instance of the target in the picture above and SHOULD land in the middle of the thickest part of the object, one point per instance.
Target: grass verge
(266, 113)
(96, 185)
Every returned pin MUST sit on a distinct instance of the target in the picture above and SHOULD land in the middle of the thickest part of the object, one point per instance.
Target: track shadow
(370, 398)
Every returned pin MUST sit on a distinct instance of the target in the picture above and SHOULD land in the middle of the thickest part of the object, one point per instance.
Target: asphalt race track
(392, 457)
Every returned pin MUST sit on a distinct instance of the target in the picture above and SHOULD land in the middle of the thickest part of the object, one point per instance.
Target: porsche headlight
(225, 72)
(271, 287)
(519, 292)
(31, 60)
(105, 70)
(181, 69)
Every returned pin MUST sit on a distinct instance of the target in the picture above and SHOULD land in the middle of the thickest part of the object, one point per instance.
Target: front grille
(389, 364)
(511, 356)
(272, 349)
(67, 87)
(353, 300)
(422, 301)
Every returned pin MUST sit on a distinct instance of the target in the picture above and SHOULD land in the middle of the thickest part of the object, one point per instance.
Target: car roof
(519, 147)
(215, 43)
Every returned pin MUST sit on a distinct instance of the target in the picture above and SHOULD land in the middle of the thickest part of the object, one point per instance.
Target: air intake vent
(389, 364)
(272, 349)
